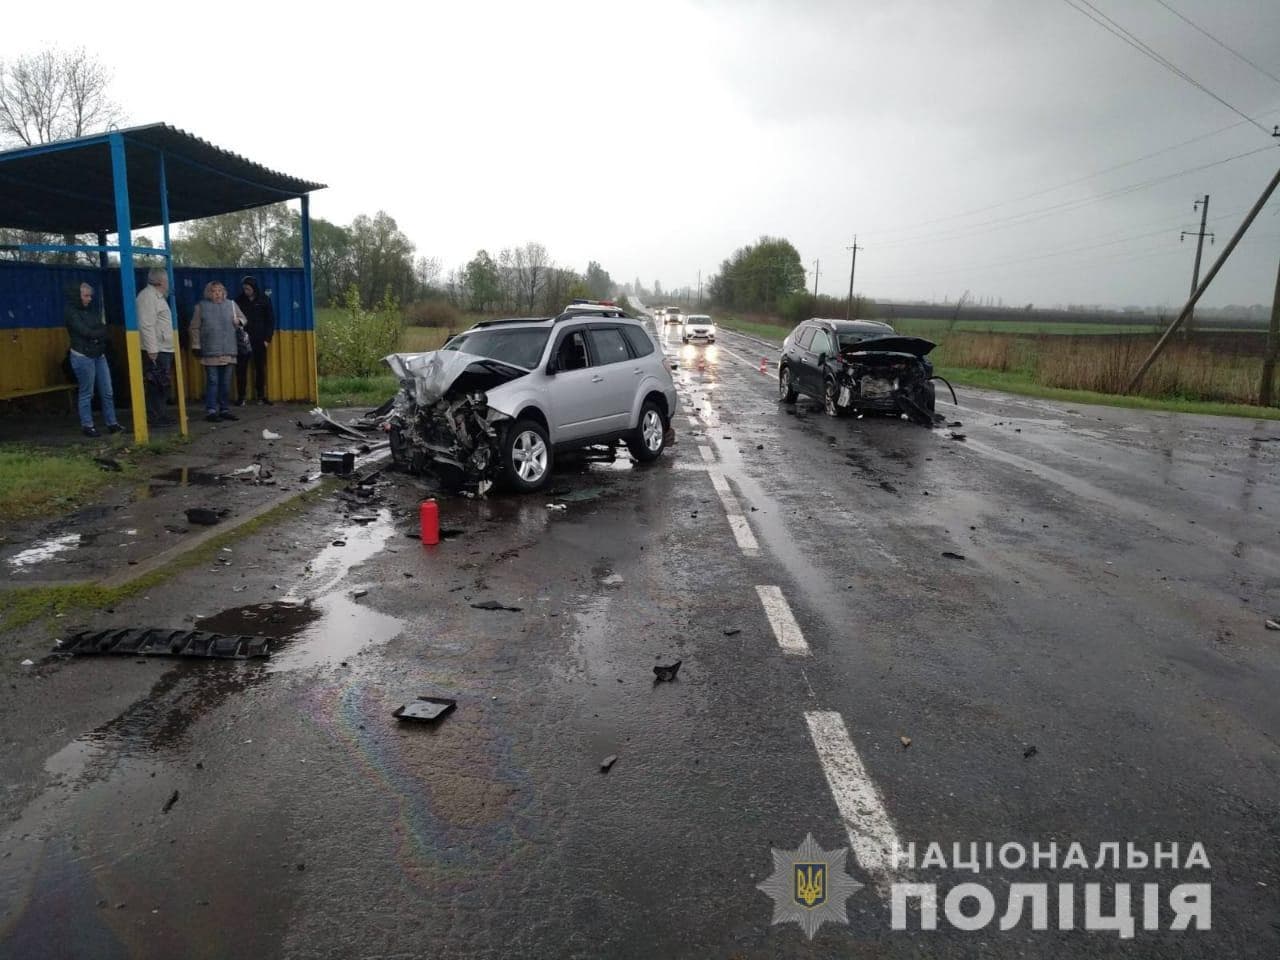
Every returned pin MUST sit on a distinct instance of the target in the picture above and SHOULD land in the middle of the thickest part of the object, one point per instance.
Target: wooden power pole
(1198, 292)
(848, 310)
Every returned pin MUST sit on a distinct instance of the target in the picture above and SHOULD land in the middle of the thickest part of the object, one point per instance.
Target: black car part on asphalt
(164, 642)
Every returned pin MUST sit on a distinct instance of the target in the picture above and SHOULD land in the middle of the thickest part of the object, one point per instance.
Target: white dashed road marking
(737, 520)
(784, 625)
(872, 835)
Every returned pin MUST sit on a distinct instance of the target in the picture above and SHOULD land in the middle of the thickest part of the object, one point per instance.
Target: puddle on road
(43, 551)
(187, 477)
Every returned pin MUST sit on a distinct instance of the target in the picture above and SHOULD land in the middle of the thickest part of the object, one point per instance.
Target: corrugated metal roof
(66, 187)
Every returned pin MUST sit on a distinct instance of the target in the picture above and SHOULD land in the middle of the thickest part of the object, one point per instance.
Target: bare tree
(533, 270)
(55, 94)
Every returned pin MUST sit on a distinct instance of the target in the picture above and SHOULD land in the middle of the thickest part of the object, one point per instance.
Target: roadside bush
(432, 313)
(351, 341)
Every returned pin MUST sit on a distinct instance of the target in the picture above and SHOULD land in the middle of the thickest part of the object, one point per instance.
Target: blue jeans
(90, 371)
(217, 388)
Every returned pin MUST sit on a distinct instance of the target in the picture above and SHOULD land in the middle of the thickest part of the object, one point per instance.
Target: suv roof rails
(491, 323)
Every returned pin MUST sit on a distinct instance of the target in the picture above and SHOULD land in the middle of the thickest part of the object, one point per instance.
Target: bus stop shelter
(115, 183)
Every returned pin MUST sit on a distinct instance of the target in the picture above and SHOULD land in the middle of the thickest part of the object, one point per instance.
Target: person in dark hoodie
(256, 306)
(88, 330)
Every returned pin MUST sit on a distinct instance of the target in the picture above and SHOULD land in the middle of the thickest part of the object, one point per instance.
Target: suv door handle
(597, 379)
(637, 371)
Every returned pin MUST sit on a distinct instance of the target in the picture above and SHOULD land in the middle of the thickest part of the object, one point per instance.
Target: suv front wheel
(526, 456)
(650, 436)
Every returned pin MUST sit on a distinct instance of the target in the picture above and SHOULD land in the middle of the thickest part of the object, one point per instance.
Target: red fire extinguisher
(430, 521)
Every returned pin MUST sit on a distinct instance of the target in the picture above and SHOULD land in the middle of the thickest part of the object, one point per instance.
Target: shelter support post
(313, 374)
(178, 377)
(132, 342)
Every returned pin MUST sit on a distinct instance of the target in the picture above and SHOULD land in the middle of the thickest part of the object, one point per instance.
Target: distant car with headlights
(672, 315)
(699, 326)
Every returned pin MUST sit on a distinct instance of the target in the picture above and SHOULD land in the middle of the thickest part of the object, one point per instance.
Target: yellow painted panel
(31, 358)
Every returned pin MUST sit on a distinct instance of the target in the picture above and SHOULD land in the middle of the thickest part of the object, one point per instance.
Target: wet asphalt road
(1108, 611)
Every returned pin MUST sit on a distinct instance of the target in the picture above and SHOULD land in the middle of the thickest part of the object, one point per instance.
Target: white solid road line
(871, 833)
(737, 520)
(784, 625)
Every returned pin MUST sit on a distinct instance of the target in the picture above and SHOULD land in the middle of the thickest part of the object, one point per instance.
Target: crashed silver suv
(499, 400)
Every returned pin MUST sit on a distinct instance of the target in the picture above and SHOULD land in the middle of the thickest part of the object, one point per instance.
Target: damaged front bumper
(441, 420)
(887, 375)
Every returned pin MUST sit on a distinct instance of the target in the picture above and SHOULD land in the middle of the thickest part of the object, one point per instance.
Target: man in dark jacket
(256, 306)
(88, 331)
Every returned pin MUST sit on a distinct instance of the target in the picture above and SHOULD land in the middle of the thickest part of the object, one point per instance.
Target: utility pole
(1203, 205)
(1204, 284)
(816, 265)
(699, 289)
(848, 310)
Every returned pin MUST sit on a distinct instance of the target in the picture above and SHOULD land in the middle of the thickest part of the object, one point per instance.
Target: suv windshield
(523, 348)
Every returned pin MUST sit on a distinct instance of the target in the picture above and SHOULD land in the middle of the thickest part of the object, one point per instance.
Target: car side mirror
(551, 368)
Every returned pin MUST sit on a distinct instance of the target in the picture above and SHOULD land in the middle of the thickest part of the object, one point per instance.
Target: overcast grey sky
(657, 137)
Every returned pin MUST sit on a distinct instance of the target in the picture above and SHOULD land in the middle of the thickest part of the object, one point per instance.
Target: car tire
(649, 438)
(684, 339)
(526, 456)
(786, 389)
(830, 393)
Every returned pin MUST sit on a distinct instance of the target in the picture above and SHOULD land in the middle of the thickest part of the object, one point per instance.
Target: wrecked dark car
(859, 366)
(499, 400)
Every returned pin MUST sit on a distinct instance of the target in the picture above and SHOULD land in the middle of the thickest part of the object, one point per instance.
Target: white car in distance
(698, 326)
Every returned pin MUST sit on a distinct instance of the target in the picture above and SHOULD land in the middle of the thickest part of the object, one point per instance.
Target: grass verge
(23, 605)
(356, 391)
(1020, 383)
(35, 481)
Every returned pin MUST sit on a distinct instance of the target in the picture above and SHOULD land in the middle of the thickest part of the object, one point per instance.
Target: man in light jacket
(155, 329)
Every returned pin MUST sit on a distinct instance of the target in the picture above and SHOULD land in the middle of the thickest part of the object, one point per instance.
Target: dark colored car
(858, 365)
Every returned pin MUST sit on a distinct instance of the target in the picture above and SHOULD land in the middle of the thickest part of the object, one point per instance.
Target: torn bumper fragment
(165, 642)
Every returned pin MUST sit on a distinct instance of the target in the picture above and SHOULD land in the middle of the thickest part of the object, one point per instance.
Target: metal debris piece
(359, 593)
(557, 506)
(952, 556)
(495, 605)
(168, 804)
(269, 435)
(326, 422)
(666, 674)
(165, 642)
(906, 742)
(732, 631)
(425, 709)
(1272, 625)
(1030, 752)
(613, 580)
(608, 762)
(28, 663)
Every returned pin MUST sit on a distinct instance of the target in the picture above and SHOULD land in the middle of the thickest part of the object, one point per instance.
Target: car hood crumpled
(916, 346)
(436, 372)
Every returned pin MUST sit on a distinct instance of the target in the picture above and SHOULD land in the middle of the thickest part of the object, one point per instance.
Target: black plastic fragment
(165, 642)
(425, 709)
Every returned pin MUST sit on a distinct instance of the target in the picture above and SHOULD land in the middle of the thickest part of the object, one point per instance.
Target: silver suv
(497, 401)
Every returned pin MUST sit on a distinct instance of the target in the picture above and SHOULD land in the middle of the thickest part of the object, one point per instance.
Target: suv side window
(821, 342)
(803, 338)
(608, 346)
(639, 340)
(572, 352)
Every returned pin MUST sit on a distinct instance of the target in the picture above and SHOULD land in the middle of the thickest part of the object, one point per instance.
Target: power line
(1018, 219)
(1068, 183)
(1118, 31)
(1231, 50)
